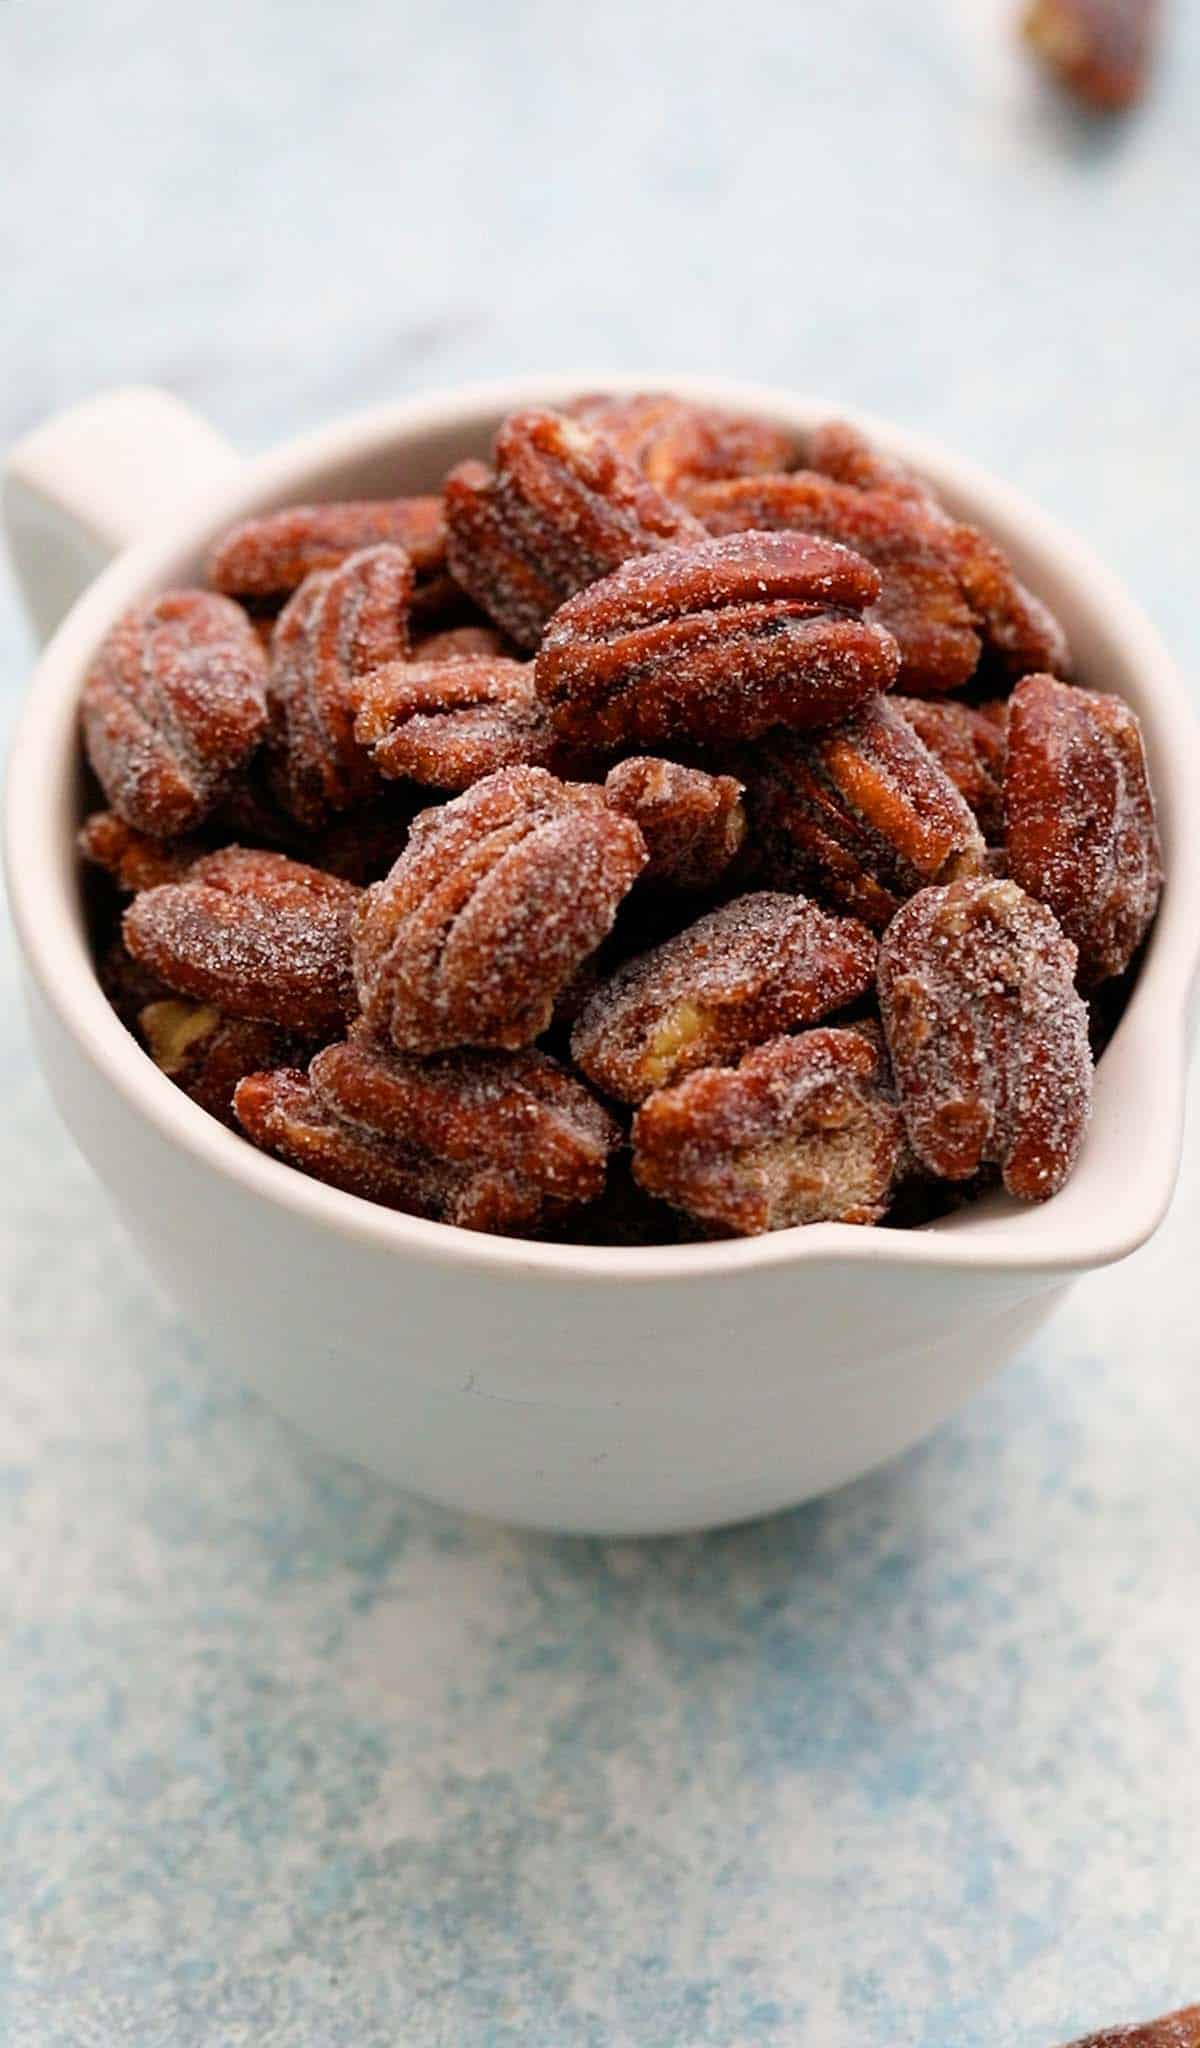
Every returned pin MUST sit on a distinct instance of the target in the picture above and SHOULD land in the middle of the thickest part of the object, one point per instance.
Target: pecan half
(341, 625)
(693, 823)
(968, 741)
(254, 934)
(987, 1036)
(1100, 51)
(863, 814)
(495, 901)
(672, 442)
(803, 1130)
(173, 706)
(717, 641)
(560, 509)
(135, 860)
(448, 724)
(269, 557)
(1080, 829)
(760, 965)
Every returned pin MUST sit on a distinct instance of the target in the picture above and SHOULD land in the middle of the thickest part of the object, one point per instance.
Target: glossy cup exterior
(589, 1389)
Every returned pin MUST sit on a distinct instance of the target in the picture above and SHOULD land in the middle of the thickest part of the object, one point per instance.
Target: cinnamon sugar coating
(693, 823)
(449, 723)
(968, 742)
(674, 443)
(269, 557)
(1174, 2030)
(206, 1054)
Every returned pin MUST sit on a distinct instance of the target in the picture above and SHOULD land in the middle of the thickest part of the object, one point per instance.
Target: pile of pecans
(668, 831)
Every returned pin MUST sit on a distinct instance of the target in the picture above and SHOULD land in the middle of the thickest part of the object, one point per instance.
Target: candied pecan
(269, 557)
(282, 1113)
(449, 723)
(693, 823)
(968, 742)
(518, 1114)
(672, 442)
(717, 641)
(458, 643)
(497, 898)
(864, 813)
(1175, 2030)
(173, 705)
(341, 625)
(560, 509)
(920, 600)
(1100, 51)
(987, 1035)
(1080, 830)
(253, 933)
(760, 965)
(802, 1130)
(135, 860)
(207, 1054)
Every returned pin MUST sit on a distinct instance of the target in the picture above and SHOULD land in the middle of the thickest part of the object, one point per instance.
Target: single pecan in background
(1099, 51)
(265, 559)
(987, 1036)
(802, 1130)
(673, 442)
(717, 641)
(763, 964)
(844, 452)
(862, 814)
(134, 860)
(206, 1054)
(340, 626)
(496, 899)
(693, 823)
(1080, 829)
(968, 741)
(448, 724)
(560, 509)
(253, 933)
(519, 1114)
(173, 705)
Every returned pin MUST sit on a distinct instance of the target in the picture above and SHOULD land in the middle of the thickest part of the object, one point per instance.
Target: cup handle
(95, 479)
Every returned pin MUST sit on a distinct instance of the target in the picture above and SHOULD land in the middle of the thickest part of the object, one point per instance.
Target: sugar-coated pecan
(988, 1038)
(253, 933)
(514, 1113)
(1100, 51)
(968, 741)
(560, 509)
(672, 442)
(862, 814)
(458, 643)
(269, 557)
(496, 899)
(447, 724)
(1175, 2030)
(340, 626)
(1080, 830)
(173, 706)
(135, 860)
(802, 1130)
(693, 823)
(207, 1054)
(763, 964)
(717, 641)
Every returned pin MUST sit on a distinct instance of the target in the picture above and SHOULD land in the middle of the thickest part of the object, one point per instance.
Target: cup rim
(1118, 1194)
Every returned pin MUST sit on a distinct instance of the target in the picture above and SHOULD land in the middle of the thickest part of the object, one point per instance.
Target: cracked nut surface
(693, 823)
(717, 641)
(673, 443)
(269, 557)
(1080, 828)
(987, 1035)
(497, 898)
(968, 742)
(560, 509)
(449, 723)
(253, 933)
(802, 1130)
(341, 625)
(863, 814)
(763, 964)
(173, 706)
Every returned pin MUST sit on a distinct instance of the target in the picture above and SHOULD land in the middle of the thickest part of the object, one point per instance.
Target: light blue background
(287, 1758)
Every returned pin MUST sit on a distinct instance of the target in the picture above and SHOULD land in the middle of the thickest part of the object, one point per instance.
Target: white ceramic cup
(602, 1390)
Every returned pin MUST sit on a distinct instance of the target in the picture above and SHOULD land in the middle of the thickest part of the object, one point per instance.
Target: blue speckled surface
(286, 1758)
